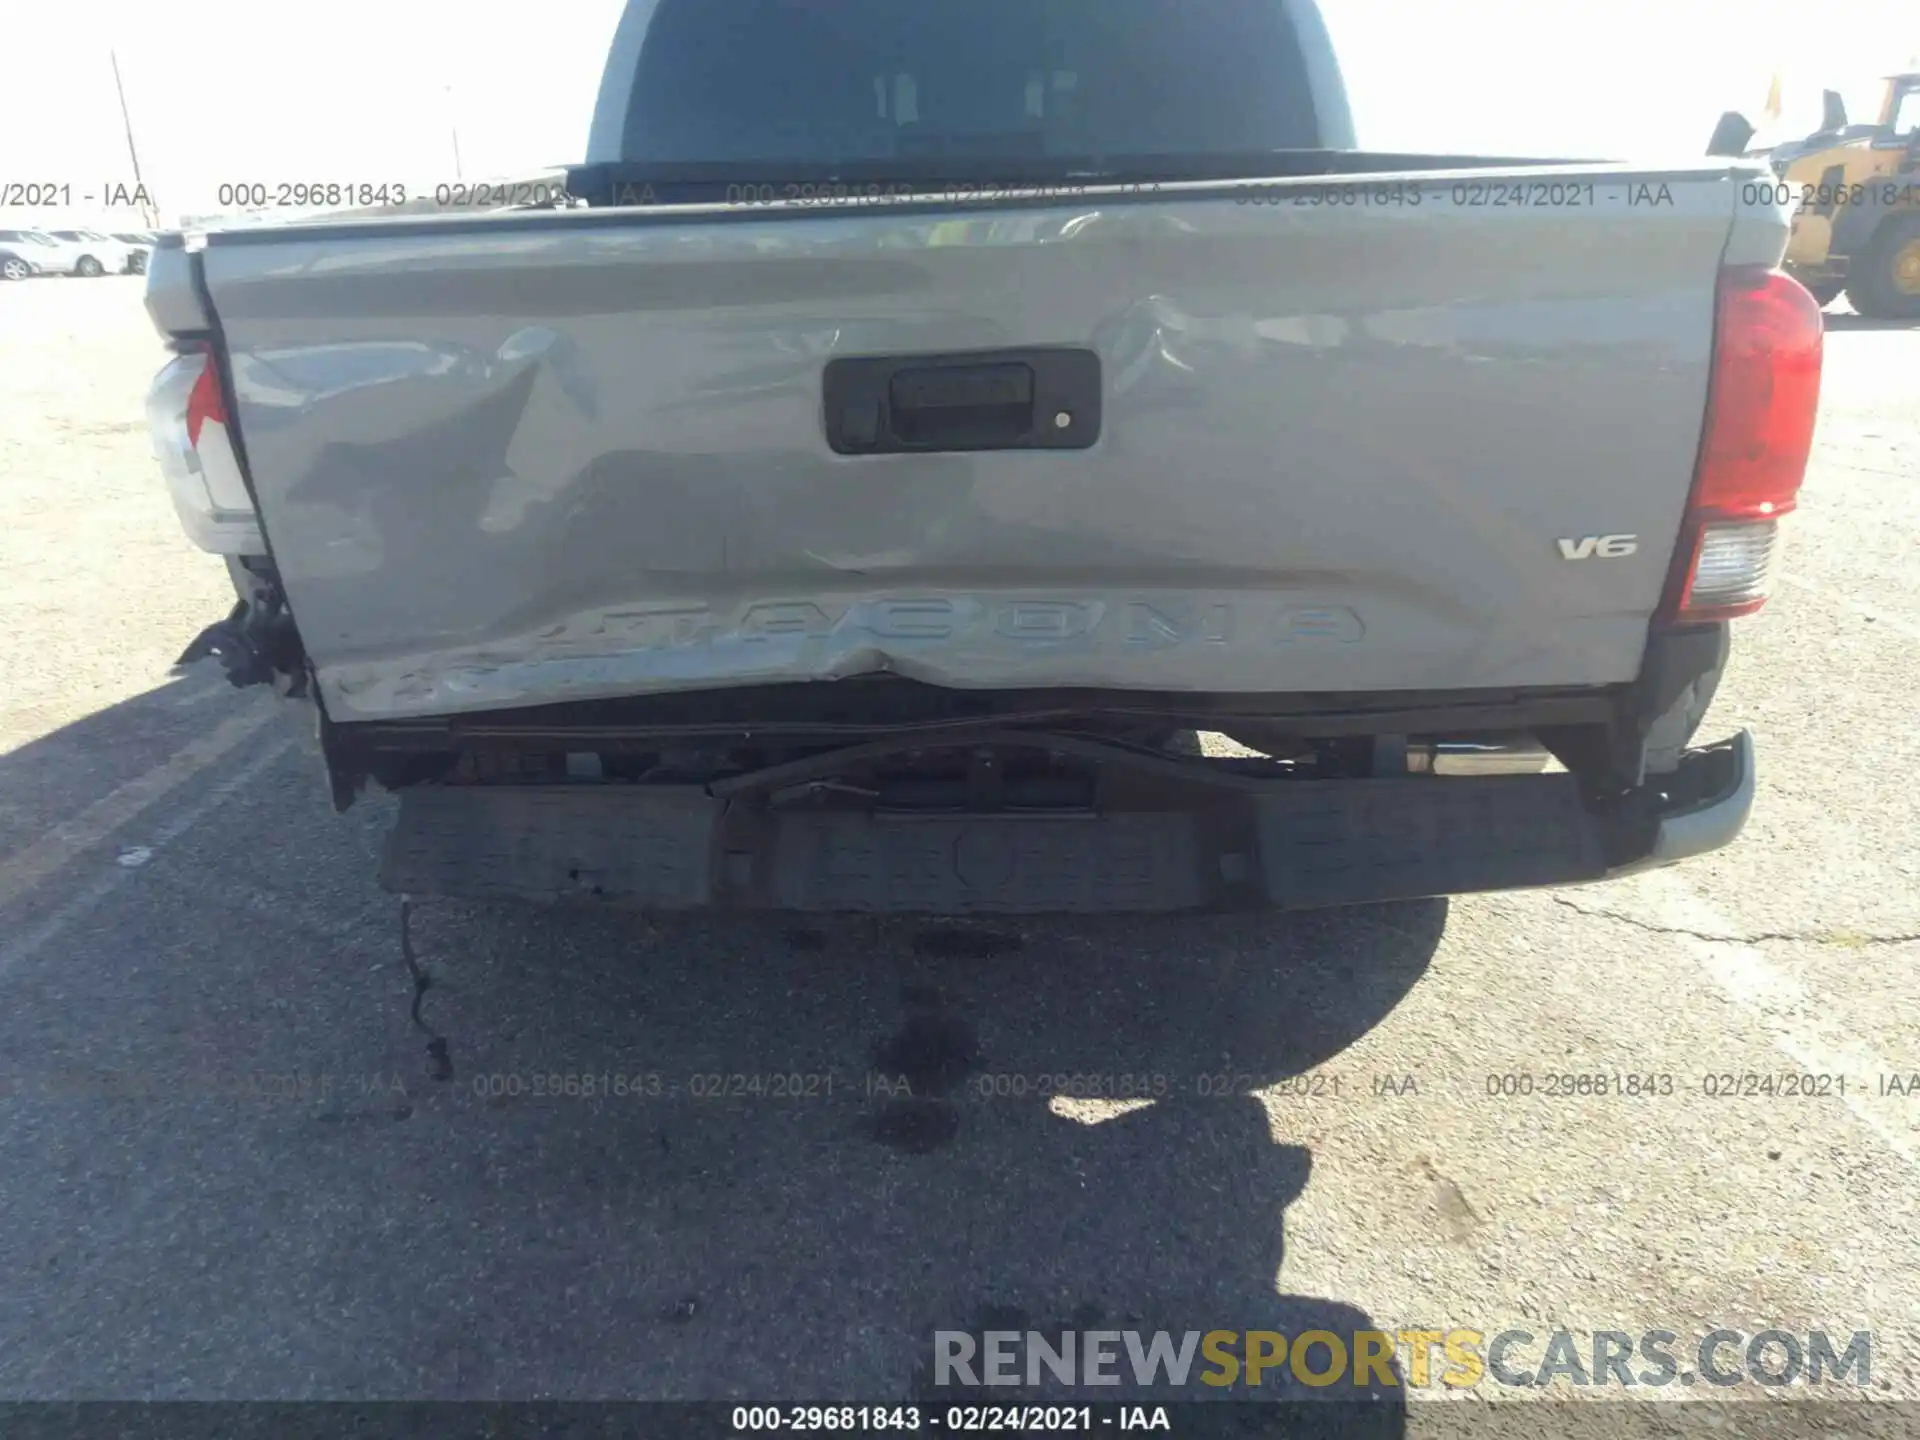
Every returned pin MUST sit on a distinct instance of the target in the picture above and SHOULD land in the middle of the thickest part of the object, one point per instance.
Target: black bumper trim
(1305, 845)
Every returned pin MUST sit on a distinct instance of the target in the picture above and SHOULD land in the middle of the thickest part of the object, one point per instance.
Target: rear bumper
(1711, 805)
(1287, 846)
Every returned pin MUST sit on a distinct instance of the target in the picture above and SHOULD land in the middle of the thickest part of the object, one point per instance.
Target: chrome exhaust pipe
(1515, 755)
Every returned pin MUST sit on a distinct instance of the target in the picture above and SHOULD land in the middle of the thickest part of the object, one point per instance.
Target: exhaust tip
(1519, 755)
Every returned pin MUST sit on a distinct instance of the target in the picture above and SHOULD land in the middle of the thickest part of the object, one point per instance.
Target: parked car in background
(18, 260)
(98, 254)
(142, 242)
(51, 256)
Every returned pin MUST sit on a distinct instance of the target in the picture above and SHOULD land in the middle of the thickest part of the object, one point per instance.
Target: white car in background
(50, 256)
(44, 254)
(98, 254)
(141, 242)
(19, 257)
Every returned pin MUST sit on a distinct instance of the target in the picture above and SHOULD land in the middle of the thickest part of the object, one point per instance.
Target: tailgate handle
(1045, 398)
(955, 404)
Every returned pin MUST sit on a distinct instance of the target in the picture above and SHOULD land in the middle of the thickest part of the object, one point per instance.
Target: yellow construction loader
(1855, 193)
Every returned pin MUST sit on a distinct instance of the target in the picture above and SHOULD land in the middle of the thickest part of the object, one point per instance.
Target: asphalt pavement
(228, 1171)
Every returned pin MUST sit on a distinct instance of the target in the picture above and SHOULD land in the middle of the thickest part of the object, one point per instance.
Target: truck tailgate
(1345, 429)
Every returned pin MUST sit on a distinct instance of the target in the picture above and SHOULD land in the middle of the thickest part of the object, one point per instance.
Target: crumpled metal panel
(537, 459)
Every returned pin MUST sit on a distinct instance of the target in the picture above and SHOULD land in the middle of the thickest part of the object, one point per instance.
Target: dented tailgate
(1405, 439)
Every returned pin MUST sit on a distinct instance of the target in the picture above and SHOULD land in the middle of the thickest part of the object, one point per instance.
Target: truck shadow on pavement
(704, 1158)
(871, 1132)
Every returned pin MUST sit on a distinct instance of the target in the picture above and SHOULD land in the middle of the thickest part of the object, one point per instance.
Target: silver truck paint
(518, 461)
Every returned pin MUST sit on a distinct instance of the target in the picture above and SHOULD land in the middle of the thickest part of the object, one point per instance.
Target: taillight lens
(1732, 565)
(187, 418)
(204, 401)
(1761, 406)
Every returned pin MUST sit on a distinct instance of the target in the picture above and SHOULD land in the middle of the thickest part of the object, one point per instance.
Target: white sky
(369, 90)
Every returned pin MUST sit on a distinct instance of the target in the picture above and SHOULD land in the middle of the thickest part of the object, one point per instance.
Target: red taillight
(205, 402)
(195, 442)
(1761, 405)
(1766, 388)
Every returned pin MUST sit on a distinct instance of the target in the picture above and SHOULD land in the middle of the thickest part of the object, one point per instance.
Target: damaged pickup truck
(920, 421)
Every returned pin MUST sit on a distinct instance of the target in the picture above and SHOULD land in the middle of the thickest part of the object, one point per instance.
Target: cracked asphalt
(226, 1172)
(1800, 937)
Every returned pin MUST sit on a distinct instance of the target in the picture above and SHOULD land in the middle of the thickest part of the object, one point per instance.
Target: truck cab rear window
(829, 81)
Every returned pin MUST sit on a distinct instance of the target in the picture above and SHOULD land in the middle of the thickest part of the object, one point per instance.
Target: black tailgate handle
(1041, 399)
(953, 404)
